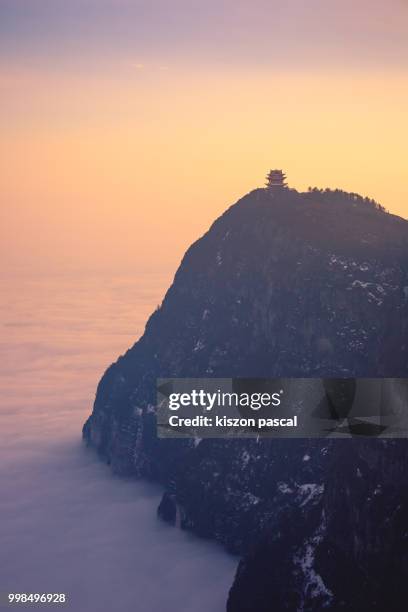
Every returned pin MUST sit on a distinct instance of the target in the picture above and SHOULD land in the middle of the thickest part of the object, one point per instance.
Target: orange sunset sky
(127, 127)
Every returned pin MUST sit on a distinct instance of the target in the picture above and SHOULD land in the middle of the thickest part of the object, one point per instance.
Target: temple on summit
(275, 179)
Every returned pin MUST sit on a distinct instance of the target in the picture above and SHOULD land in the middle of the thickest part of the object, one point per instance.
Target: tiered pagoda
(275, 179)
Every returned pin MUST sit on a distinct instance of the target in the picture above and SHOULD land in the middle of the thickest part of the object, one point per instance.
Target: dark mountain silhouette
(285, 284)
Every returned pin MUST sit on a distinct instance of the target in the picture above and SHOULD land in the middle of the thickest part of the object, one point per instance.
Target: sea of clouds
(66, 524)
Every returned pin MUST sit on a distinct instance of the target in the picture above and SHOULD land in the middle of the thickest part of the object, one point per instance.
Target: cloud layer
(66, 524)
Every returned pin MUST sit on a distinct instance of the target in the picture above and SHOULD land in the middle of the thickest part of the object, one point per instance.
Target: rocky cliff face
(300, 284)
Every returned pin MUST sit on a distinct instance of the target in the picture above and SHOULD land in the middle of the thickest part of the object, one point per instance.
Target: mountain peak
(311, 284)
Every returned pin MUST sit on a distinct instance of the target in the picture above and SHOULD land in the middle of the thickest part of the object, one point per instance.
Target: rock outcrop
(299, 284)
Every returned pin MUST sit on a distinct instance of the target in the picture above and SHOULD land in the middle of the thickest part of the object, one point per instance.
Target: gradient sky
(128, 126)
